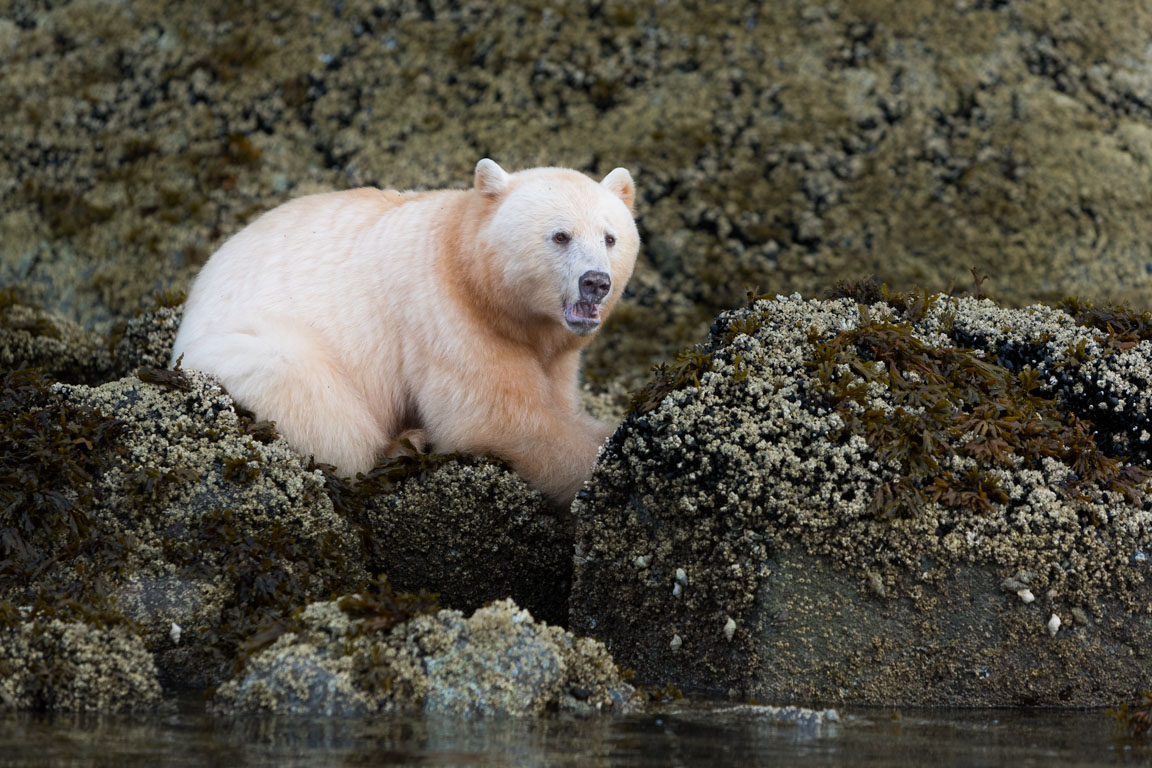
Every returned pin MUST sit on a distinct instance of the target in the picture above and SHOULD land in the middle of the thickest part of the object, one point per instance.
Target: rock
(145, 340)
(784, 147)
(75, 667)
(853, 487)
(472, 531)
(780, 148)
(159, 502)
(33, 338)
(153, 502)
(498, 662)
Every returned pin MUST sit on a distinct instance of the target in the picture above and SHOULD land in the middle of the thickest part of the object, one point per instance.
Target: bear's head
(564, 245)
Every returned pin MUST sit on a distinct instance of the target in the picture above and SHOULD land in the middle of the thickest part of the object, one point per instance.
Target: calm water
(684, 735)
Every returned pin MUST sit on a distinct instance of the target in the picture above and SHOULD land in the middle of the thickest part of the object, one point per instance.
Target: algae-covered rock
(882, 504)
(472, 531)
(338, 658)
(774, 145)
(156, 502)
(74, 667)
(33, 338)
(145, 340)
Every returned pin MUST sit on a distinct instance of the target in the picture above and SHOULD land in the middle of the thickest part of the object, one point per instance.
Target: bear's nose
(594, 285)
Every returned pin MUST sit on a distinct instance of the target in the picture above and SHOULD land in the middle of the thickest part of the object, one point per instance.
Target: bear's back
(310, 261)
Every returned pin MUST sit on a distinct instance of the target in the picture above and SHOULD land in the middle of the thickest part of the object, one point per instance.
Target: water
(684, 735)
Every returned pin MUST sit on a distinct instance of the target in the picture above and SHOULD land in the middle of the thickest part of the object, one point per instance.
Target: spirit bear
(354, 319)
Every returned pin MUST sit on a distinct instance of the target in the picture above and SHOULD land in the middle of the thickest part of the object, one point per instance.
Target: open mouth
(582, 317)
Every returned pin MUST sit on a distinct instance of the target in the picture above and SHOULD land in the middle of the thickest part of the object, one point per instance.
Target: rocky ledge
(152, 533)
(883, 499)
(877, 498)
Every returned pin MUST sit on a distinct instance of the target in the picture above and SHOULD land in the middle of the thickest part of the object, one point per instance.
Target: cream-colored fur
(353, 318)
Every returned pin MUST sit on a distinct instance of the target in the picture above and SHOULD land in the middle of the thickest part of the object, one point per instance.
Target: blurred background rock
(778, 145)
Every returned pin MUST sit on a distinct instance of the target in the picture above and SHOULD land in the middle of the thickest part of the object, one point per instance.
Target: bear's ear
(491, 179)
(619, 182)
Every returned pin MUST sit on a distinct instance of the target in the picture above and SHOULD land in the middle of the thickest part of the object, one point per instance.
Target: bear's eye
(561, 238)
(610, 240)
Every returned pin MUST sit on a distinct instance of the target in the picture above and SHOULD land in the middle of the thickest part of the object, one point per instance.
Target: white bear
(353, 318)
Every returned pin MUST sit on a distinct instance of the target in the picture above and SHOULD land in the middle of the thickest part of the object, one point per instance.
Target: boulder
(918, 500)
(157, 504)
(337, 658)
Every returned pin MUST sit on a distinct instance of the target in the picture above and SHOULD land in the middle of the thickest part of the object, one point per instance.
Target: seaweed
(941, 403)
(271, 572)
(173, 378)
(169, 298)
(50, 452)
(377, 609)
(1136, 720)
(1122, 326)
(350, 496)
(666, 378)
(869, 290)
(242, 469)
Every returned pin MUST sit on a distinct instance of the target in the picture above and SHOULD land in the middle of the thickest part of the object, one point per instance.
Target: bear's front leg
(553, 445)
(558, 456)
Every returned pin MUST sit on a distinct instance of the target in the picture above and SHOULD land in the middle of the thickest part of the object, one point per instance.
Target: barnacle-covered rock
(338, 658)
(156, 503)
(824, 499)
(74, 667)
(471, 530)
